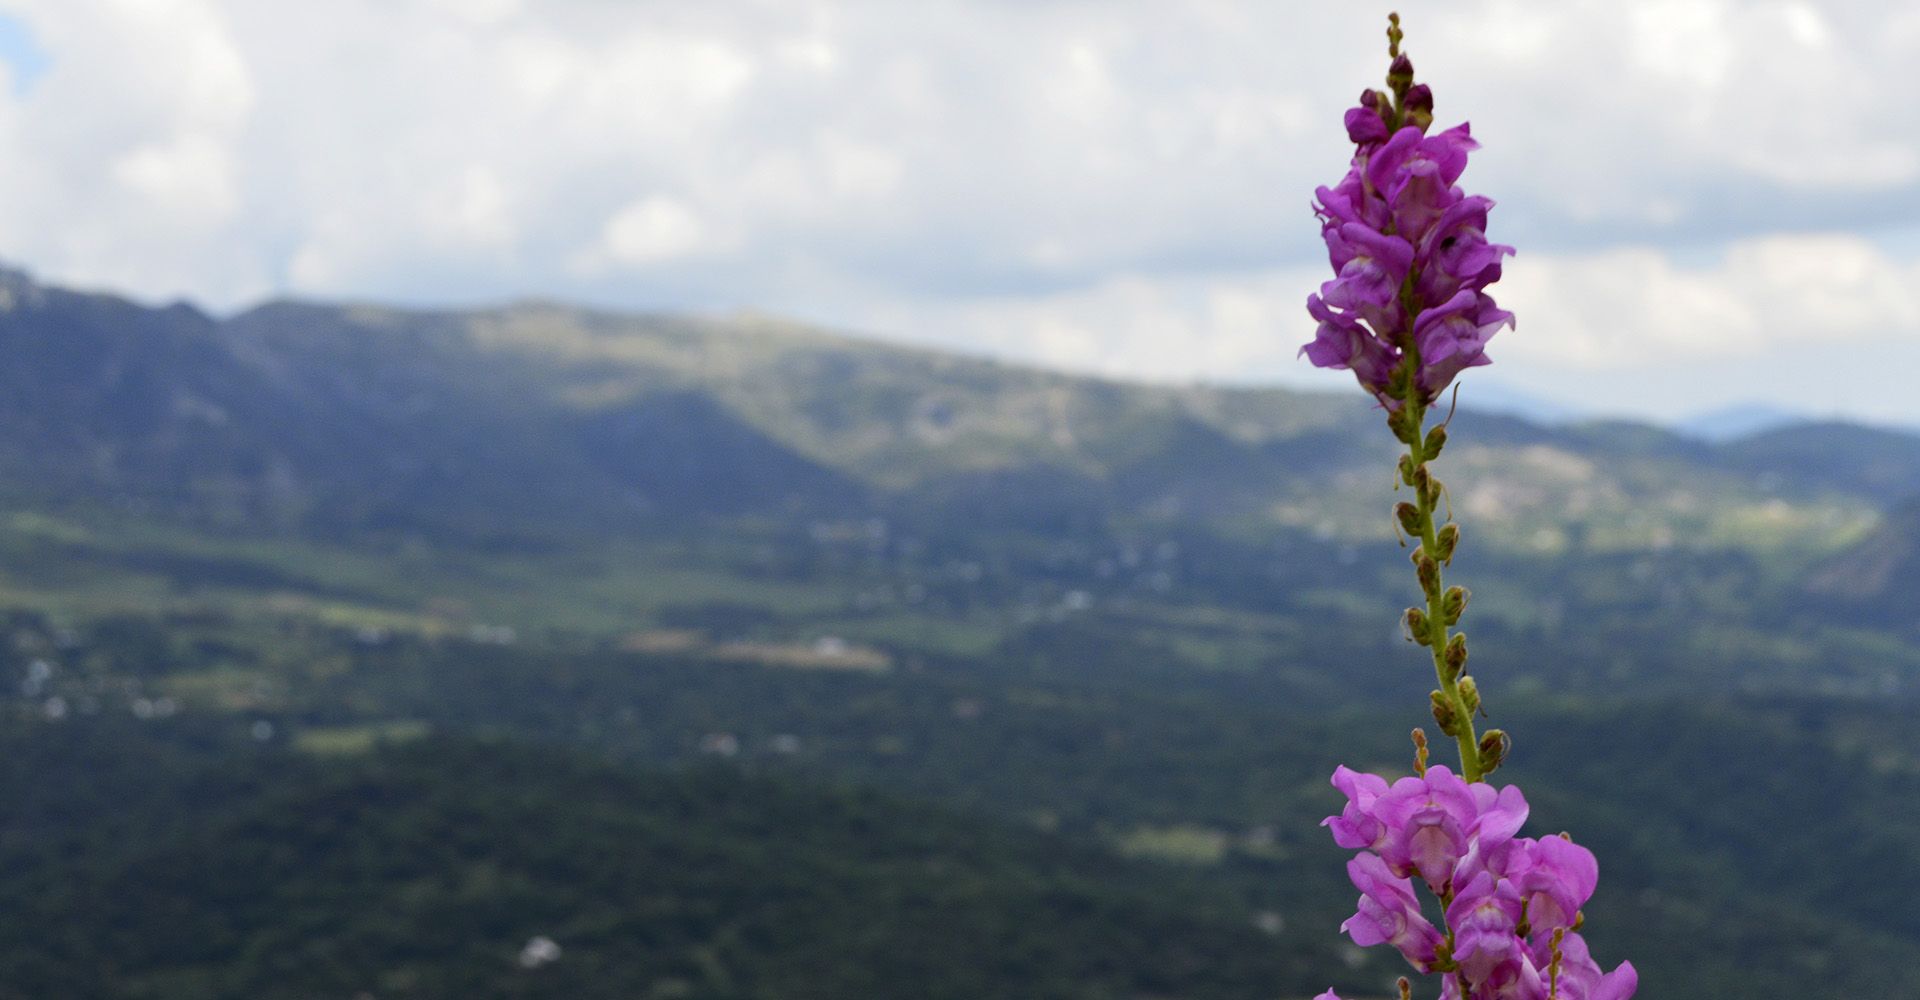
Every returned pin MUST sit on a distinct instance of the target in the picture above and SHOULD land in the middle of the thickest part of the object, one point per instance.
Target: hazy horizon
(1711, 210)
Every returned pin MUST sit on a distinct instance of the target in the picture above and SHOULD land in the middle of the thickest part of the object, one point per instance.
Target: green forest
(365, 653)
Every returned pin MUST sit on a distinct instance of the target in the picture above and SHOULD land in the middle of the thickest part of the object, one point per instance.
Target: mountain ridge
(531, 419)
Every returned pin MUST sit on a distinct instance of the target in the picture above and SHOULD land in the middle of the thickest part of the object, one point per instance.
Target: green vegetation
(347, 651)
(427, 870)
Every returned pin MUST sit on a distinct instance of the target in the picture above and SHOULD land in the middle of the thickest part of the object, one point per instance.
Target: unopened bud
(1400, 74)
(1400, 420)
(1452, 604)
(1406, 988)
(1436, 440)
(1406, 469)
(1448, 537)
(1469, 694)
(1427, 570)
(1417, 627)
(1419, 751)
(1494, 746)
(1409, 516)
(1457, 653)
(1444, 714)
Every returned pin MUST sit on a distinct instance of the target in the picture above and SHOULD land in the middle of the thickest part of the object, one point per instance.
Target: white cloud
(1244, 327)
(1591, 326)
(188, 178)
(473, 211)
(1111, 186)
(1622, 308)
(653, 230)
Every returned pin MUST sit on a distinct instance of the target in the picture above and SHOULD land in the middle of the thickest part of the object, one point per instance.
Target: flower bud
(1409, 516)
(1427, 570)
(1448, 537)
(1494, 745)
(1399, 420)
(1417, 627)
(1419, 107)
(1469, 694)
(1452, 604)
(1400, 74)
(1436, 440)
(1430, 490)
(1444, 714)
(1406, 469)
(1457, 653)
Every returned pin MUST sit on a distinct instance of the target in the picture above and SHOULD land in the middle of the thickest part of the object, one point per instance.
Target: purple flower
(1453, 337)
(1398, 223)
(1517, 978)
(1436, 822)
(1580, 976)
(1559, 877)
(1415, 174)
(1485, 917)
(1455, 254)
(1460, 839)
(1356, 826)
(1389, 913)
(1364, 125)
(1428, 820)
(1372, 268)
(1342, 342)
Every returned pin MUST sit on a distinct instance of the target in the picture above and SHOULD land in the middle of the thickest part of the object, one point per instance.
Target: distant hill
(1735, 422)
(1841, 457)
(1873, 582)
(539, 421)
(144, 868)
(1143, 619)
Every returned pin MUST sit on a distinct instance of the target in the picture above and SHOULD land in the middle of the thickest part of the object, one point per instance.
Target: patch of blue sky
(1901, 243)
(26, 61)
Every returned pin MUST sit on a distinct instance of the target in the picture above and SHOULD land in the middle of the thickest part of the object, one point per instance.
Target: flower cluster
(1409, 250)
(1511, 904)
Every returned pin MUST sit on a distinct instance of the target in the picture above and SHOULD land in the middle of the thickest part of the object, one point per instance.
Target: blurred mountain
(1490, 395)
(1735, 422)
(1873, 582)
(1112, 637)
(1843, 457)
(541, 421)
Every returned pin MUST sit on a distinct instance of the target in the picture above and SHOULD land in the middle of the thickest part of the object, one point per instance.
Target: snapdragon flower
(1407, 311)
(1510, 902)
(1409, 250)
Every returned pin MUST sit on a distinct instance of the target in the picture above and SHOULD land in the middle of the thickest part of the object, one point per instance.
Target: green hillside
(424, 870)
(973, 660)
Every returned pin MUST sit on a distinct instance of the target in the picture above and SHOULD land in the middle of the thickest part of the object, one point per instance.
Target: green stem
(1438, 632)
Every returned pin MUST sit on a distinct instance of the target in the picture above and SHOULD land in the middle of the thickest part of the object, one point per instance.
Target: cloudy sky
(1714, 202)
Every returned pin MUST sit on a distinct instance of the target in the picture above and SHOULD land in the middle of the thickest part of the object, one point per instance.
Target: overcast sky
(1714, 202)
